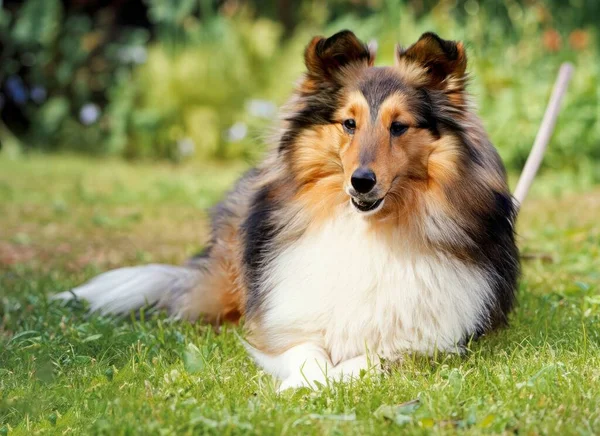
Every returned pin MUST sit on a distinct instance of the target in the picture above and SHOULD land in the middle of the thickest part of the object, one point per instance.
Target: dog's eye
(398, 128)
(349, 125)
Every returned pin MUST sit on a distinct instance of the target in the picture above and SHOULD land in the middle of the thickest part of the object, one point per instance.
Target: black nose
(363, 180)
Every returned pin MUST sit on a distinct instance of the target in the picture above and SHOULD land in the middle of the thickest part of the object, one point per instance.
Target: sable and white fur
(331, 275)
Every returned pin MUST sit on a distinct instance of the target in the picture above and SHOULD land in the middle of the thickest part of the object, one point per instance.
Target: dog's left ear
(440, 59)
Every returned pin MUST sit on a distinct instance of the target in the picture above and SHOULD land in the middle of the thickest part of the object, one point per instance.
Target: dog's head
(376, 135)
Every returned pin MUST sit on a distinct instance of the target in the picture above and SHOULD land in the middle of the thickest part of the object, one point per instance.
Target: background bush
(203, 79)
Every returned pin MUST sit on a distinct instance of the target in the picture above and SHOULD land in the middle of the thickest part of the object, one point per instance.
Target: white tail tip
(123, 290)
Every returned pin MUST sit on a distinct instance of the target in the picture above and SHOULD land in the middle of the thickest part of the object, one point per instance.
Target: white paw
(294, 382)
(311, 377)
(353, 369)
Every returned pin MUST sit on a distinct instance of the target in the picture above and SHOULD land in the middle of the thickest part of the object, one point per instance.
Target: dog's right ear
(325, 57)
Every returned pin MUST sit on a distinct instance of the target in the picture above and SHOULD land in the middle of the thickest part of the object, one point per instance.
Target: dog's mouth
(367, 207)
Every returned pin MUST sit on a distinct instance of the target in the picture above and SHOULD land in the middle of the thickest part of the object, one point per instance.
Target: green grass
(62, 371)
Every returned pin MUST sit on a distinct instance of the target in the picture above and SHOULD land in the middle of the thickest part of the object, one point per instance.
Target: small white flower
(89, 113)
(237, 132)
(262, 108)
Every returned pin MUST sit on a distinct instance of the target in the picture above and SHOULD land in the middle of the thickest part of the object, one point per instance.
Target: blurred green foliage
(202, 79)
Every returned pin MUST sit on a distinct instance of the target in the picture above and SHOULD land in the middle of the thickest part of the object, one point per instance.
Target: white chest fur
(355, 290)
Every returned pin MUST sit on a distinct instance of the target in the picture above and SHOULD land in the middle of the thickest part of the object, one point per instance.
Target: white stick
(543, 136)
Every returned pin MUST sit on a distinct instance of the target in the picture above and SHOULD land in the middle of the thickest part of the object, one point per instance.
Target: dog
(379, 224)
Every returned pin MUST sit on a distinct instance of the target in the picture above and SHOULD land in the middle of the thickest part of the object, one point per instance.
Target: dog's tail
(177, 289)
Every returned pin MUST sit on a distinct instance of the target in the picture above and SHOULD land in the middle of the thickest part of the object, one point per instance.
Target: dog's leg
(299, 366)
(304, 366)
(352, 368)
(308, 364)
(318, 368)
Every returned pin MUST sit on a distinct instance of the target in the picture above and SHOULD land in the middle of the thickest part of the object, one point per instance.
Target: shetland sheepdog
(379, 224)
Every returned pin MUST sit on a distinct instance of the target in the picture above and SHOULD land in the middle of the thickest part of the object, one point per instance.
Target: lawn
(64, 219)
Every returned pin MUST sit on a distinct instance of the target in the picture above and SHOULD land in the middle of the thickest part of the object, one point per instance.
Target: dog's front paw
(298, 381)
(293, 382)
